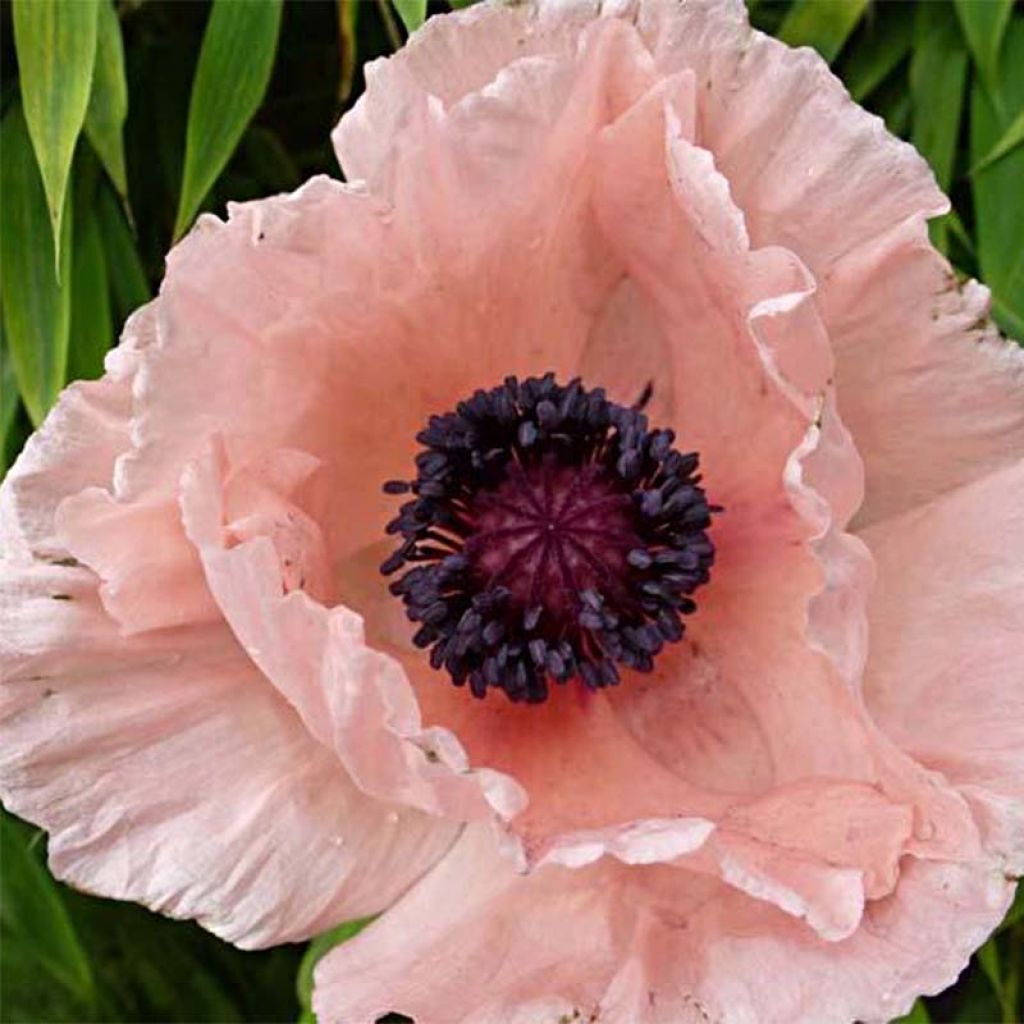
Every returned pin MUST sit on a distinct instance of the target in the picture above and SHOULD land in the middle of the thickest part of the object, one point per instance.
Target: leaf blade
(34, 916)
(348, 47)
(823, 24)
(36, 307)
(129, 287)
(8, 395)
(319, 947)
(984, 25)
(91, 321)
(1011, 139)
(880, 50)
(996, 192)
(412, 12)
(235, 63)
(56, 45)
(938, 77)
(918, 1015)
(108, 100)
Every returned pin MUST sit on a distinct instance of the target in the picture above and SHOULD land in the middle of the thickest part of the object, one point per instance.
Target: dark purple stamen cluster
(552, 535)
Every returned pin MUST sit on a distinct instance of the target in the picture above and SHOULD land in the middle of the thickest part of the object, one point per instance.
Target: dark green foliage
(168, 133)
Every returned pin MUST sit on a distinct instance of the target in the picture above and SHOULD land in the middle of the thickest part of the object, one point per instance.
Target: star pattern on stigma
(551, 534)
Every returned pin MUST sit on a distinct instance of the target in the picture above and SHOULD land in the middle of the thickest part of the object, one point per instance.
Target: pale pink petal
(87, 431)
(151, 575)
(165, 767)
(352, 699)
(945, 677)
(713, 955)
(933, 395)
(448, 59)
(786, 135)
(474, 942)
(168, 772)
(265, 331)
(752, 443)
(816, 173)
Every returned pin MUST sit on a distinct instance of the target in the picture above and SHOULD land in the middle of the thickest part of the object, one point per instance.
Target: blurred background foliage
(121, 121)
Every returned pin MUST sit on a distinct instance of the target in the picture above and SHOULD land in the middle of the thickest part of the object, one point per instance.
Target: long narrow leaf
(108, 101)
(879, 50)
(984, 23)
(918, 1015)
(1011, 139)
(36, 307)
(938, 76)
(9, 397)
(938, 73)
(998, 195)
(348, 47)
(35, 920)
(235, 62)
(412, 12)
(56, 45)
(91, 322)
(129, 288)
(823, 24)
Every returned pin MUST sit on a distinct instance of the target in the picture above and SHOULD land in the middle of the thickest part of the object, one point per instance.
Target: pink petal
(151, 575)
(165, 767)
(708, 955)
(934, 397)
(945, 675)
(475, 942)
(352, 699)
(638, 945)
(787, 137)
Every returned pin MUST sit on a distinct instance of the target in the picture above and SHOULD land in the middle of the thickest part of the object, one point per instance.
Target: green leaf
(412, 12)
(317, 949)
(1015, 914)
(235, 62)
(129, 288)
(823, 24)
(8, 393)
(918, 1015)
(879, 49)
(984, 23)
(348, 47)
(959, 232)
(36, 308)
(35, 921)
(938, 74)
(92, 328)
(56, 45)
(988, 958)
(997, 193)
(108, 101)
(1010, 322)
(1012, 138)
(894, 106)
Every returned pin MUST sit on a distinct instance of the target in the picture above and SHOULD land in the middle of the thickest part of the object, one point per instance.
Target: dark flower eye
(552, 534)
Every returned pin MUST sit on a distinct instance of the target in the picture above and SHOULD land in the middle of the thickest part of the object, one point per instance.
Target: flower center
(552, 535)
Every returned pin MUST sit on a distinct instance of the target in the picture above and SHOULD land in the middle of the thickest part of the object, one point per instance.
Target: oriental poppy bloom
(592, 536)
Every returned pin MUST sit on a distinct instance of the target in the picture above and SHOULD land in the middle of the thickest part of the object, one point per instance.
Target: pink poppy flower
(723, 551)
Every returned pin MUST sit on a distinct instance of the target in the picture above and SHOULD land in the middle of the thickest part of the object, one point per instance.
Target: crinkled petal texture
(811, 810)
